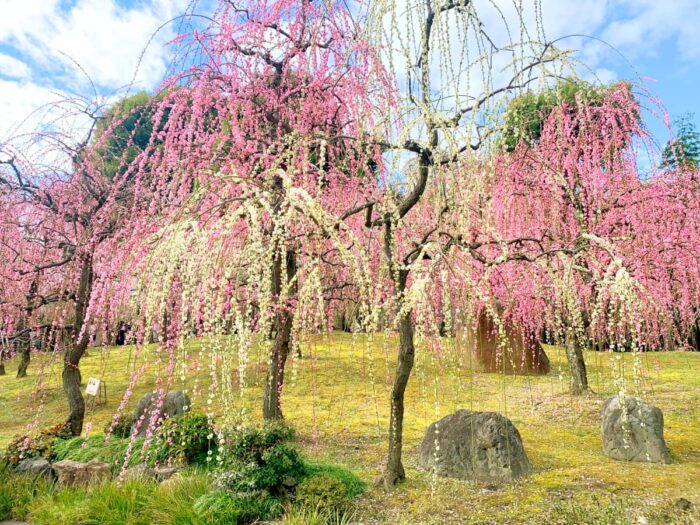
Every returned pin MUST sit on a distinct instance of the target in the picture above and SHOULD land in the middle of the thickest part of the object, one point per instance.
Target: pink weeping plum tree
(61, 201)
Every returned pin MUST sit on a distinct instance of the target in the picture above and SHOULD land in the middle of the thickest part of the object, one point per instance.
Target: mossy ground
(336, 397)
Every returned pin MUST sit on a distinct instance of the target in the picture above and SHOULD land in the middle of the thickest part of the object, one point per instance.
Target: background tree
(683, 151)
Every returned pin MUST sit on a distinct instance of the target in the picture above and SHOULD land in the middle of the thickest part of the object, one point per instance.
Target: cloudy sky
(41, 41)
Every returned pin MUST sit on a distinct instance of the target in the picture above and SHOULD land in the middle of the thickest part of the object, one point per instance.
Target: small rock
(37, 466)
(171, 481)
(684, 505)
(74, 473)
(633, 430)
(641, 520)
(165, 473)
(482, 446)
(143, 472)
(289, 482)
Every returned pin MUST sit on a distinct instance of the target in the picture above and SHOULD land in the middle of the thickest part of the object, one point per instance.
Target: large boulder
(175, 403)
(38, 467)
(73, 473)
(633, 430)
(480, 446)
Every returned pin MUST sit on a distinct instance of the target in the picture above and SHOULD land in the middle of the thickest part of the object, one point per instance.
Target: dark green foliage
(112, 451)
(258, 459)
(684, 150)
(124, 132)
(353, 485)
(122, 429)
(525, 116)
(184, 439)
(323, 491)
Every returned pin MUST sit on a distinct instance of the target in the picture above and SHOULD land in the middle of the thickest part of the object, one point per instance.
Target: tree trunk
(272, 405)
(25, 340)
(24, 362)
(71, 361)
(394, 471)
(577, 366)
(394, 468)
(2, 362)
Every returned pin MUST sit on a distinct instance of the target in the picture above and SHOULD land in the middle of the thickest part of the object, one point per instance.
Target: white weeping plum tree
(455, 65)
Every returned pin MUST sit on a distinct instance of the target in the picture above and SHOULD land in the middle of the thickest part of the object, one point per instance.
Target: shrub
(258, 459)
(354, 485)
(324, 492)
(26, 446)
(248, 444)
(184, 439)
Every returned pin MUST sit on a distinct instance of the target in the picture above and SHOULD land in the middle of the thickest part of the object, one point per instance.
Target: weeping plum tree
(59, 214)
(453, 69)
(574, 183)
(253, 184)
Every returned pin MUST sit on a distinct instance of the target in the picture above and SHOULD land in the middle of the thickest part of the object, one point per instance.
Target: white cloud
(12, 68)
(103, 37)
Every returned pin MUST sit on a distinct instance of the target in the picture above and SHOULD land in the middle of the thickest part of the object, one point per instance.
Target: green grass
(336, 397)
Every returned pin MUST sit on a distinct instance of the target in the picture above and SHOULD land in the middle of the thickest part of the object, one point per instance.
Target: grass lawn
(336, 397)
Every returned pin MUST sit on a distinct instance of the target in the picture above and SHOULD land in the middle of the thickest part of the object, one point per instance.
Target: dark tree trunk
(25, 340)
(71, 361)
(394, 471)
(2, 362)
(577, 366)
(25, 359)
(272, 405)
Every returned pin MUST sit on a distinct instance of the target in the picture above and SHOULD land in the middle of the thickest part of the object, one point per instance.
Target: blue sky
(38, 39)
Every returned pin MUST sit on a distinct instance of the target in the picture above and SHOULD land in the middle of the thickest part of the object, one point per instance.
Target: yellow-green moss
(336, 397)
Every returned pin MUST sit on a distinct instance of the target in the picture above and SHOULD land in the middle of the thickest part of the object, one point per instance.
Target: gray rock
(481, 446)
(165, 473)
(73, 473)
(175, 403)
(141, 472)
(37, 466)
(633, 430)
(289, 482)
(684, 505)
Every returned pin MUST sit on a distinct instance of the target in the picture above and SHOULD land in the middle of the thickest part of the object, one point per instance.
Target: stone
(684, 505)
(633, 430)
(479, 446)
(289, 482)
(165, 473)
(73, 473)
(142, 472)
(172, 482)
(37, 467)
(175, 403)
